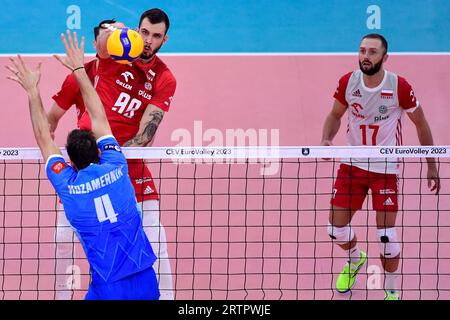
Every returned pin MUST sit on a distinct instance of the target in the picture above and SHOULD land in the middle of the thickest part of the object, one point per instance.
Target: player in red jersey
(135, 98)
(376, 100)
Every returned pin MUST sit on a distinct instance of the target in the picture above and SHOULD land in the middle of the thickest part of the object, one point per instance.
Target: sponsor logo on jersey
(58, 166)
(143, 180)
(148, 190)
(388, 202)
(150, 75)
(114, 147)
(145, 94)
(356, 108)
(148, 86)
(124, 85)
(387, 94)
(382, 109)
(357, 93)
(126, 75)
(387, 191)
(380, 118)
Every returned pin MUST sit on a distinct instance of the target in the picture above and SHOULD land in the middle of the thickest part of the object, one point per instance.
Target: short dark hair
(155, 15)
(383, 40)
(97, 28)
(82, 148)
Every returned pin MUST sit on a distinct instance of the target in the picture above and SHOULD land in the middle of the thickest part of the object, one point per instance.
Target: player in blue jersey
(95, 189)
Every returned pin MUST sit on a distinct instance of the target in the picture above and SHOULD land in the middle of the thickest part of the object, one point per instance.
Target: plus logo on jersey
(356, 108)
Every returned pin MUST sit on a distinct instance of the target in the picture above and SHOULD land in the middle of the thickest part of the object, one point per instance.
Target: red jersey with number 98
(125, 92)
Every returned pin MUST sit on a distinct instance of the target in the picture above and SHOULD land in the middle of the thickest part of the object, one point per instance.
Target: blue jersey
(100, 204)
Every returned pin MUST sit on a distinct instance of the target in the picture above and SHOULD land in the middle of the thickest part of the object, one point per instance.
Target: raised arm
(74, 60)
(29, 80)
(53, 116)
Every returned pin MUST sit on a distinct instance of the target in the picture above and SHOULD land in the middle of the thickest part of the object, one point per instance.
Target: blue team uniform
(100, 204)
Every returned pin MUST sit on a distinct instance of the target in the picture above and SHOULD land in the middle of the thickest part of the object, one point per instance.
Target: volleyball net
(244, 223)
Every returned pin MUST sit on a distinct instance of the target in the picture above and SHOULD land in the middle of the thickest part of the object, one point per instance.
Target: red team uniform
(374, 119)
(125, 92)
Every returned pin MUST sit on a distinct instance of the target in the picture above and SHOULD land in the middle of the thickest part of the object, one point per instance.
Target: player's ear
(166, 37)
(386, 56)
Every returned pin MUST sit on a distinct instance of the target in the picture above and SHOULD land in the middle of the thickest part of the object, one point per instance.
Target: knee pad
(341, 235)
(387, 238)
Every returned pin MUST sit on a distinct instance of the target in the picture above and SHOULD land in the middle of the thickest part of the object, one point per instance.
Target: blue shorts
(138, 286)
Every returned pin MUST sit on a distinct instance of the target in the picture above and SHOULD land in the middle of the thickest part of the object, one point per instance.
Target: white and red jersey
(125, 91)
(375, 115)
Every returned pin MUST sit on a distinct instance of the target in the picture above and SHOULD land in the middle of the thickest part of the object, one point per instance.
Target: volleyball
(124, 45)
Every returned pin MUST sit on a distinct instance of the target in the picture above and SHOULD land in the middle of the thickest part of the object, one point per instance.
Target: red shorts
(142, 180)
(352, 185)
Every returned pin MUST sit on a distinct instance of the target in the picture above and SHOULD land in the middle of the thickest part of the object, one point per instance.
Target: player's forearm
(38, 117)
(146, 131)
(144, 138)
(54, 115)
(52, 122)
(330, 128)
(426, 139)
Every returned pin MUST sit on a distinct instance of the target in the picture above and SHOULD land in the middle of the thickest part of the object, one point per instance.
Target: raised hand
(326, 143)
(27, 78)
(74, 58)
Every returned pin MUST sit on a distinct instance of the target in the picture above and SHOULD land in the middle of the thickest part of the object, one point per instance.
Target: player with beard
(376, 100)
(135, 98)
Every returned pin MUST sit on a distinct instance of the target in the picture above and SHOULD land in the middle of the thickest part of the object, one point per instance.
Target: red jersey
(70, 94)
(125, 92)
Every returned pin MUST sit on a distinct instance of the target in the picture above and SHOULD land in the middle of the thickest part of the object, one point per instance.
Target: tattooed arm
(150, 121)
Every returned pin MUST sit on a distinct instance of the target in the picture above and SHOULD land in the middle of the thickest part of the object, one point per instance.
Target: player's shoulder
(162, 69)
(160, 64)
(70, 80)
(402, 81)
(346, 77)
(90, 65)
(57, 167)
